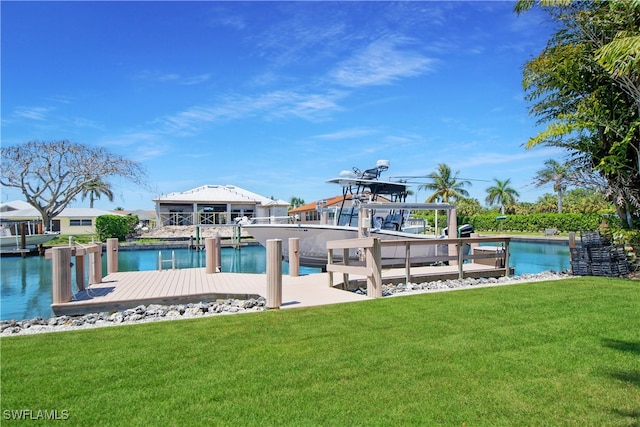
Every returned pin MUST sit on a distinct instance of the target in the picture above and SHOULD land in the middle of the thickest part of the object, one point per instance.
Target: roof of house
(333, 201)
(221, 194)
(312, 206)
(66, 213)
(14, 205)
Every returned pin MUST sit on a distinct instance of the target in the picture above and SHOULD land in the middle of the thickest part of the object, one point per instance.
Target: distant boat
(13, 242)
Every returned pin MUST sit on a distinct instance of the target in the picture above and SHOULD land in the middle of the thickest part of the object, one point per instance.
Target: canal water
(26, 282)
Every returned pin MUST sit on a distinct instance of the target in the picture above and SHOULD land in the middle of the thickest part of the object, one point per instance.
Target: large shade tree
(502, 194)
(446, 185)
(52, 174)
(585, 86)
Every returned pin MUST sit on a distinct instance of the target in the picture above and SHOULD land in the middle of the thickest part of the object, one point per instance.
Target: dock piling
(274, 273)
(212, 248)
(95, 265)
(112, 255)
(61, 270)
(294, 256)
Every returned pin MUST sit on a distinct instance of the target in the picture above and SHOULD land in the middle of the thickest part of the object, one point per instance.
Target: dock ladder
(161, 261)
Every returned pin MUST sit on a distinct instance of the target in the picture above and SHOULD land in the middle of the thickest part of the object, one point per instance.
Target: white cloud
(347, 134)
(381, 62)
(159, 77)
(32, 113)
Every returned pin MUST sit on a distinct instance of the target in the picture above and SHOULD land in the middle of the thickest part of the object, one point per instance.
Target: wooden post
(329, 262)
(452, 227)
(345, 276)
(294, 256)
(112, 255)
(80, 272)
(61, 272)
(407, 262)
(460, 259)
(506, 258)
(374, 263)
(217, 252)
(572, 239)
(474, 244)
(95, 265)
(274, 273)
(23, 236)
(211, 258)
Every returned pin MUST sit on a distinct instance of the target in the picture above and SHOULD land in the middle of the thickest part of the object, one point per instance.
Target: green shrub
(115, 226)
(535, 222)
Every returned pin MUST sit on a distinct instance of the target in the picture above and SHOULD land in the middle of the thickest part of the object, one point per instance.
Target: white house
(70, 221)
(215, 205)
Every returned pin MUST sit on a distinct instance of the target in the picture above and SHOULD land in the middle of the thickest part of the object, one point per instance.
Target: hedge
(564, 222)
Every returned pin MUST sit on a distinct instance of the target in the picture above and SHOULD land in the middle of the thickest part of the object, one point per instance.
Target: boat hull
(32, 240)
(314, 238)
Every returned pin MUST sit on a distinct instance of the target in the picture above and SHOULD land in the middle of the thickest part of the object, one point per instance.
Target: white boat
(13, 242)
(362, 213)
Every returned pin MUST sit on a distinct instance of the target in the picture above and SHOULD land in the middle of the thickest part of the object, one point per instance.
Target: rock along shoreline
(156, 312)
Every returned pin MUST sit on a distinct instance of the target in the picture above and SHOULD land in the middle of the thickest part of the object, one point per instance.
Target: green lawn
(550, 354)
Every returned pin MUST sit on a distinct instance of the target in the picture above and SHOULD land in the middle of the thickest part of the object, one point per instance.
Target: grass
(551, 353)
(63, 239)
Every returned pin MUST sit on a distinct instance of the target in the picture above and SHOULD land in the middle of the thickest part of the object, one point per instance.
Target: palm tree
(501, 194)
(445, 185)
(94, 189)
(295, 202)
(557, 174)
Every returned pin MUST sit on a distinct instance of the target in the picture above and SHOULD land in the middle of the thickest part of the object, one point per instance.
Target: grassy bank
(553, 353)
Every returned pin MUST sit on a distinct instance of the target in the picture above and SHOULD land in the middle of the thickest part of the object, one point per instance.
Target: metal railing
(193, 218)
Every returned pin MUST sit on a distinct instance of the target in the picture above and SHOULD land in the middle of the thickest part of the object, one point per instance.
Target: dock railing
(372, 248)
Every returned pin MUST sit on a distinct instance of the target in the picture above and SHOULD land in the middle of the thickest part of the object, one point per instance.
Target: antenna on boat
(373, 173)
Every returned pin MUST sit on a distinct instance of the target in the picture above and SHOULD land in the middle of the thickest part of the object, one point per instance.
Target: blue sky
(276, 97)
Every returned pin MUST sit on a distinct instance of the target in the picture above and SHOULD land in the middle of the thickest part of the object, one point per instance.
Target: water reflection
(26, 282)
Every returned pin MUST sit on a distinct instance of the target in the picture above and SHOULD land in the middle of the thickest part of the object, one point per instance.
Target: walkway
(119, 291)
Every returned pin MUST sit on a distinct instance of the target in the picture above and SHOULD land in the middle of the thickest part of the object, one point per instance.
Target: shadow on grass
(630, 377)
(626, 346)
(633, 416)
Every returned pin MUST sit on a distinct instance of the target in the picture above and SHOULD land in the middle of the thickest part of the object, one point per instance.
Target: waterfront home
(215, 205)
(70, 221)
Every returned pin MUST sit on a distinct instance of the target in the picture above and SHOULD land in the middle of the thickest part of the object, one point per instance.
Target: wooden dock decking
(120, 291)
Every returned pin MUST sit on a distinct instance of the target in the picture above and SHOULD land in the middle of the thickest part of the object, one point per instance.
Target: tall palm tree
(94, 189)
(556, 174)
(501, 194)
(445, 186)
